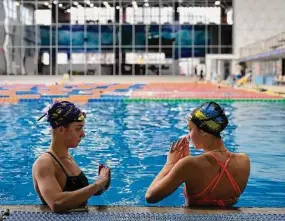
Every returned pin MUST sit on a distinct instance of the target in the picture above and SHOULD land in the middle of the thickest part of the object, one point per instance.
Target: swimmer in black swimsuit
(58, 180)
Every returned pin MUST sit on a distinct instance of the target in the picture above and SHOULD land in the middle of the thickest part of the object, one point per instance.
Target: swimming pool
(133, 138)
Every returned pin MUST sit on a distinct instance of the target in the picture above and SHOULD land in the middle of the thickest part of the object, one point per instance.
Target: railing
(263, 46)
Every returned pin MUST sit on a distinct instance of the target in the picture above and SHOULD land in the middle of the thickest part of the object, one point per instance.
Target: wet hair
(209, 117)
(63, 113)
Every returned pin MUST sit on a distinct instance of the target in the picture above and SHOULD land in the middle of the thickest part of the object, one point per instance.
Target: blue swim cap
(209, 117)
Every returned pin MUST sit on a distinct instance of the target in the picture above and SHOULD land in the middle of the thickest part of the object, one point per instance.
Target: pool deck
(277, 89)
(83, 89)
(176, 210)
(47, 79)
(50, 80)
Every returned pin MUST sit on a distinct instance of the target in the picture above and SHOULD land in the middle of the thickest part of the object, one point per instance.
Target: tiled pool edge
(143, 209)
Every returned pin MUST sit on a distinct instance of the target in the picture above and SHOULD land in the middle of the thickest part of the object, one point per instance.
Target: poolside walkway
(277, 89)
(50, 79)
(83, 89)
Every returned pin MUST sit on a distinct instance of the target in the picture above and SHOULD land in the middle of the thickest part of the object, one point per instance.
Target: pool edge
(154, 209)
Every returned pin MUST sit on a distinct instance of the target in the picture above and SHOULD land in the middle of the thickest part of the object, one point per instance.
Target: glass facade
(114, 37)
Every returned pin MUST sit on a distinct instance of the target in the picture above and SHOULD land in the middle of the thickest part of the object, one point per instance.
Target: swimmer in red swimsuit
(215, 178)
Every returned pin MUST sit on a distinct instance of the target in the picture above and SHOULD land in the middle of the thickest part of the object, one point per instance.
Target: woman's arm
(57, 200)
(172, 174)
(166, 182)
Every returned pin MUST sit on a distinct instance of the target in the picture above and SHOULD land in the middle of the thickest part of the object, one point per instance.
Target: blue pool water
(133, 139)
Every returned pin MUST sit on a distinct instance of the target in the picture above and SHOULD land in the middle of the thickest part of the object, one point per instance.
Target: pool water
(133, 139)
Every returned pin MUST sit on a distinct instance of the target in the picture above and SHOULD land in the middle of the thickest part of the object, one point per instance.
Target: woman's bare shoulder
(43, 161)
(242, 156)
(193, 161)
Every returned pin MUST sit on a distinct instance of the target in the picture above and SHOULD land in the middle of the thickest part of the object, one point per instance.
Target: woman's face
(196, 135)
(73, 134)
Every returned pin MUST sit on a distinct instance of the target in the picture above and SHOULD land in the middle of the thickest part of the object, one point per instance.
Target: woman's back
(218, 178)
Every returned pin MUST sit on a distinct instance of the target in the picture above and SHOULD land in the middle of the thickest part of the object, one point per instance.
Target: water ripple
(133, 139)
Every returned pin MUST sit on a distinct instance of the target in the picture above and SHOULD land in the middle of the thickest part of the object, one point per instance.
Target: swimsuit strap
(217, 178)
(225, 170)
(60, 164)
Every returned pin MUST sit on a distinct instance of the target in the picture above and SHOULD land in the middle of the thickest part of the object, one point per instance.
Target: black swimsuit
(72, 182)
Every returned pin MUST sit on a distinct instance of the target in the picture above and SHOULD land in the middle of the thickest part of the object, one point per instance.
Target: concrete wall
(12, 40)
(257, 20)
(2, 38)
